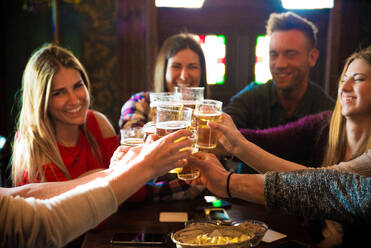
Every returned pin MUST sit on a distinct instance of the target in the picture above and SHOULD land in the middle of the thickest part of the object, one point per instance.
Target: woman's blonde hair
(172, 46)
(337, 141)
(35, 141)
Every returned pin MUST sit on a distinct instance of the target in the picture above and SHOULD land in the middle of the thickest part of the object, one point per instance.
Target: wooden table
(144, 216)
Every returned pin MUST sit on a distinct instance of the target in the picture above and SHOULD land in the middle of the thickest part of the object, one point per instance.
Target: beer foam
(173, 125)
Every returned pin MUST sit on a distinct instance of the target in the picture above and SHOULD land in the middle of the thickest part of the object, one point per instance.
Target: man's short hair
(288, 21)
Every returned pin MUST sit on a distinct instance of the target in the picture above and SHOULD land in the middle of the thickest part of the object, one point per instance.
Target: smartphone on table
(141, 238)
(217, 214)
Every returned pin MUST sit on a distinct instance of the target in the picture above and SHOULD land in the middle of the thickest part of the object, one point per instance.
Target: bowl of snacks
(212, 235)
(258, 228)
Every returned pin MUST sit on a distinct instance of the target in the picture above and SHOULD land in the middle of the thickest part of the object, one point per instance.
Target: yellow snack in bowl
(205, 239)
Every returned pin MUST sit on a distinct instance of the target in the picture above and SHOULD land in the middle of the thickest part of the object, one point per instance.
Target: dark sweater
(324, 194)
(302, 141)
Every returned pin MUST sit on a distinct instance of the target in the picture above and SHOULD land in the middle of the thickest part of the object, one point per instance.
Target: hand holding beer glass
(170, 119)
(206, 111)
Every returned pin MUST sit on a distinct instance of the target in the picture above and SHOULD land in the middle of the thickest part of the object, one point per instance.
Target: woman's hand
(159, 155)
(213, 175)
(230, 137)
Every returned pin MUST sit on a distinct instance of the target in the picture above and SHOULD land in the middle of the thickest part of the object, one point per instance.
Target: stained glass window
(262, 72)
(213, 47)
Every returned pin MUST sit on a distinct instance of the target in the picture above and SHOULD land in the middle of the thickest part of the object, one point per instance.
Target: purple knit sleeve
(302, 141)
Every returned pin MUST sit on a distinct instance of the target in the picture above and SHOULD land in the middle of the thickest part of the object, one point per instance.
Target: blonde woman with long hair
(58, 138)
(349, 136)
(349, 131)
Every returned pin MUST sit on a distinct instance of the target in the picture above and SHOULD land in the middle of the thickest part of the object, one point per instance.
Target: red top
(80, 159)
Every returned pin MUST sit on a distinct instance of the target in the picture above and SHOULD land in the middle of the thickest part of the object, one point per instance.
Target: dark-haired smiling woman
(180, 63)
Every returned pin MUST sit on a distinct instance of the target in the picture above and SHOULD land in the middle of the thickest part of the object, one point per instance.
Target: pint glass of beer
(170, 119)
(207, 110)
(162, 99)
(132, 136)
(190, 95)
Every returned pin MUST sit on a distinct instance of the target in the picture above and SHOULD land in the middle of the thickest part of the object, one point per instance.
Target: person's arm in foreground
(320, 194)
(56, 221)
(317, 193)
(235, 143)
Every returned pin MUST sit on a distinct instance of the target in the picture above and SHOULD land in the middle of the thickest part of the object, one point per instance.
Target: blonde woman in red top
(58, 138)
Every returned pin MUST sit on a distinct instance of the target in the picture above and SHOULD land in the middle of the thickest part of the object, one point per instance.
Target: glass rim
(165, 103)
(165, 93)
(209, 102)
(157, 96)
(130, 128)
(185, 87)
(168, 108)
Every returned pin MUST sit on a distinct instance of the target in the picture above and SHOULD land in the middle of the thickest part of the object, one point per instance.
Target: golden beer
(167, 127)
(162, 99)
(206, 137)
(189, 104)
(170, 119)
(148, 129)
(206, 111)
(132, 136)
(132, 142)
(188, 172)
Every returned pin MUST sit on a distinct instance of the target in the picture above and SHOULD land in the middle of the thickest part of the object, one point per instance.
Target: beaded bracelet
(228, 179)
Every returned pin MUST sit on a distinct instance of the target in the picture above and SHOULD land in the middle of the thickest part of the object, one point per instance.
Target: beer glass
(170, 119)
(190, 95)
(149, 128)
(132, 136)
(162, 99)
(207, 110)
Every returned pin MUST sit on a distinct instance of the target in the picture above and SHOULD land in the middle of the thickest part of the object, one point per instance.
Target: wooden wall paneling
(347, 25)
(333, 45)
(151, 43)
(137, 40)
(320, 18)
(99, 53)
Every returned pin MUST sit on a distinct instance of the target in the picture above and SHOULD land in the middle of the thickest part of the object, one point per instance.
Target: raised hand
(121, 153)
(230, 137)
(213, 175)
(161, 154)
